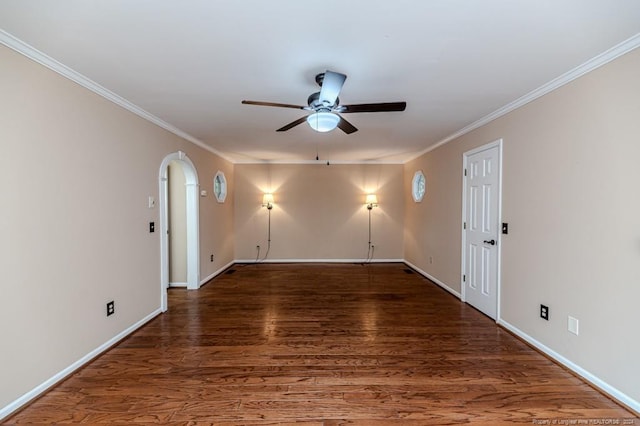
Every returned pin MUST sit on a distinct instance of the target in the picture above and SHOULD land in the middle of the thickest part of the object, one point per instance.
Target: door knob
(492, 242)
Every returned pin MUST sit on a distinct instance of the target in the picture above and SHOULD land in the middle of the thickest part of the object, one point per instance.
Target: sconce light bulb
(267, 201)
(371, 201)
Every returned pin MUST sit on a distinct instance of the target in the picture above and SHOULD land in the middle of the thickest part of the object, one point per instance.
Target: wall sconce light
(267, 201)
(371, 201)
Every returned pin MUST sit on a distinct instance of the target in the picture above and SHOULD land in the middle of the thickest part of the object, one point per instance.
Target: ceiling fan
(325, 106)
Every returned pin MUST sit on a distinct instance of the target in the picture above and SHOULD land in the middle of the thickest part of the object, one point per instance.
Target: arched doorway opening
(192, 220)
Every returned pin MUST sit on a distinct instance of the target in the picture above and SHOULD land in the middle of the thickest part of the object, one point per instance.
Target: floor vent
(408, 271)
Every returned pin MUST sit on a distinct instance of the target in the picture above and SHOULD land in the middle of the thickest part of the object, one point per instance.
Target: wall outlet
(212, 258)
(152, 227)
(111, 308)
(544, 312)
(572, 325)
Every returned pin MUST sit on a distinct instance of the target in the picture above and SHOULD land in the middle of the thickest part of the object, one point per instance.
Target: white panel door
(482, 204)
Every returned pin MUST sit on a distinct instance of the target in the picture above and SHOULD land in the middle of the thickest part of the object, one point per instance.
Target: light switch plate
(152, 202)
(572, 325)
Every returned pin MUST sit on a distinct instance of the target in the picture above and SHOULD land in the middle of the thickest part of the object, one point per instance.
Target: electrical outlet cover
(544, 312)
(111, 308)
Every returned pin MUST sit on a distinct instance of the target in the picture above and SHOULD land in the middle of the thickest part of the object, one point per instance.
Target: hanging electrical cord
(268, 203)
(371, 203)
(371, 247)
(269, 207)
(369, 251)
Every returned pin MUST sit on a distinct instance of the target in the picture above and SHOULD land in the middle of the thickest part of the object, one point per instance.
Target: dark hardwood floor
(318, 344)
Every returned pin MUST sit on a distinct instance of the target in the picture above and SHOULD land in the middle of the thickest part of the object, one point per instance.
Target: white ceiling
(191, 62)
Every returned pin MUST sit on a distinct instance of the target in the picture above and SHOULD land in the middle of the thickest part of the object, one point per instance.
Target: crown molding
(319, 162)
(34, 54)
(604, 58)
(45, 60)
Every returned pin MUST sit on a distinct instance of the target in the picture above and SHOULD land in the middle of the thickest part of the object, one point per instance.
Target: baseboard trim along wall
(434, 279)
(614, 393)
(216, 273)
(319, 261)
(40, 389)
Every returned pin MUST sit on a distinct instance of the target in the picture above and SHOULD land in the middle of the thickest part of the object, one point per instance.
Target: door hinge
(465, 172)
(464, 225)
(464, 278)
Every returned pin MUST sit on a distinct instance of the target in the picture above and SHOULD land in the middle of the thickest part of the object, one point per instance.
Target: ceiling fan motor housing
(326, 107)
(314, 103)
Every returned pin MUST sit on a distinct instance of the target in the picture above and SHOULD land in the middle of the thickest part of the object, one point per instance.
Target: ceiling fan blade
(273, 104)
(346, 127)
(378, 107)
(292, 124)
(331, 86)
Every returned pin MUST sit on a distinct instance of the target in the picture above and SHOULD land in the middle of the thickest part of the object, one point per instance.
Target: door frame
(463, 284)
(193, 234)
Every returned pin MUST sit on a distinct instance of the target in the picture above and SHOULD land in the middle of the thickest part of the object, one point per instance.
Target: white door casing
(481, 228)
(193, 235)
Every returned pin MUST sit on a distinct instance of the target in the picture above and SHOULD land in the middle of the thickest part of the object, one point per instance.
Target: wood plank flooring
(321, 344)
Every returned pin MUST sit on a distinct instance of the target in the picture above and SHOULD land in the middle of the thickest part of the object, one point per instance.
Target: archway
(192, 218)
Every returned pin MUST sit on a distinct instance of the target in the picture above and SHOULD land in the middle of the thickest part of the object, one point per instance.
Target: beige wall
(570, 196)
(177, 200)
(216, 219)
(319, 211)
(76, 172)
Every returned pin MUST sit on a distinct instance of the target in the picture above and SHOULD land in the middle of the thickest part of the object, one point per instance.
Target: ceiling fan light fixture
(323, 121)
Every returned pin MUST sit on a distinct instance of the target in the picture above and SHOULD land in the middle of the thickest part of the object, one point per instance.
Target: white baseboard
(434, 279)
(319, 261)
(216, 273)
(586, 375)
(38, 390)
(178, 285)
